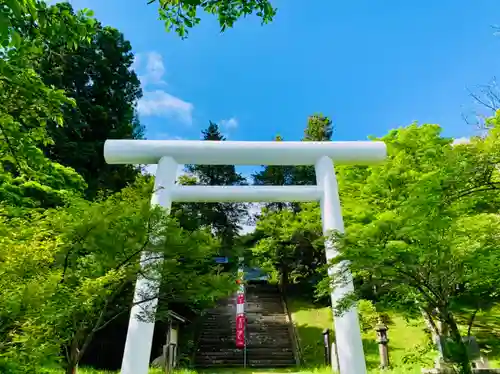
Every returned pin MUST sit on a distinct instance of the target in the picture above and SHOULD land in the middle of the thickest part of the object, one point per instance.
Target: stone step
(259, 297)
(277, 336)
(228, 325)
(264, 295)
(254, 330)
(230, 344)
(262, 326)
(269, 363)
(260, 289)
(250, 334)
(269, 310)
(213, 359)
(251, 321)
(251, 316)
(269, 321)
(281, 341)
(249, 311)
(251, 354)
(253, 350)
(269, 343)
(218, 347)
(249, 306)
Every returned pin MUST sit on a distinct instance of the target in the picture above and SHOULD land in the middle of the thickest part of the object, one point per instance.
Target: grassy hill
(408, 344)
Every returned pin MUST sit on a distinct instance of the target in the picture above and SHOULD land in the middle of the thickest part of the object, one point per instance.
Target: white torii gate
(169, 154)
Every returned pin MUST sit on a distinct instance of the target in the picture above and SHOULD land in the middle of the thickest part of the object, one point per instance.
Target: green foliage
(421, 230)
(291, 241)
(27, 105)
(70, 274)
(417, 235)
(181, 15)
(223, 218)
(368, 315)
(97, 75)
(274, 175)
(319, 129)
(15, 13)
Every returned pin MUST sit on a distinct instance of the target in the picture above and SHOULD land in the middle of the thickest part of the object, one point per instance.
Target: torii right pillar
(347, 332)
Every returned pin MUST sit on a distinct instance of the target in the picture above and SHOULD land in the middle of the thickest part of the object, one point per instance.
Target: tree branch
(130, 257)
(471, 321)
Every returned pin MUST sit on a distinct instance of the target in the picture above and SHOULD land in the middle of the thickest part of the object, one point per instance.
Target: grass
(408, 348)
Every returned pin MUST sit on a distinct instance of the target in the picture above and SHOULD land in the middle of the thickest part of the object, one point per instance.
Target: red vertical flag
(240, 331)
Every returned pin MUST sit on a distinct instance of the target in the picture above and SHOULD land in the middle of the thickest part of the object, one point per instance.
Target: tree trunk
(460, 356)
(430, 325)
(71, 367)
(73, 357)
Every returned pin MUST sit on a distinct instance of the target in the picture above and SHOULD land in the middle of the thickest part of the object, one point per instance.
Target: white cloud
(162, 104)
(158, 102)
(462, 140)
(155, 69)
(229, 124)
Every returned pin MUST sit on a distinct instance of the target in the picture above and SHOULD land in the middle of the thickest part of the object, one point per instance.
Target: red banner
(240, 331)
(241, 298)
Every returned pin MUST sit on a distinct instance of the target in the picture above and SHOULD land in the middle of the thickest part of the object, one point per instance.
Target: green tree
(291, 244)
(66, 277)
(182, 15)
(97, 76)
(27, 105)
(418, 235)
(319, 129)
(274, 175)
(223, 218)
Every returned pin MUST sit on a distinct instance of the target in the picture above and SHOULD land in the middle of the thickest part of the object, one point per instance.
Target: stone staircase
(269, 339)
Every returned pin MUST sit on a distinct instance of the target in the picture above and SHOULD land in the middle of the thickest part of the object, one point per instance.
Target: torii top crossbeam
(206, 152)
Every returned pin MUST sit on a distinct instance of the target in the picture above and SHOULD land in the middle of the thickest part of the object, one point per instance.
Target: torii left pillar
(140, 333)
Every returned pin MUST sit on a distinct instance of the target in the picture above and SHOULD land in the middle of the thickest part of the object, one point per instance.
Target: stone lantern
(382, 341)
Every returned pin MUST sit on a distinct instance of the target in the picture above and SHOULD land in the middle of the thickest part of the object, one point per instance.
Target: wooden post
(165, 358)
(326, 345)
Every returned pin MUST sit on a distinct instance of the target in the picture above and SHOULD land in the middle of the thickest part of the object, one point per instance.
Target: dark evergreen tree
(98, 76)
(223, 218)
(319, 129)
(274, 175)
(299, 258)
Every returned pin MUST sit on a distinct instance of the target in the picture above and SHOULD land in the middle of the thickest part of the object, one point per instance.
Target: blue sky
(371, 65)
